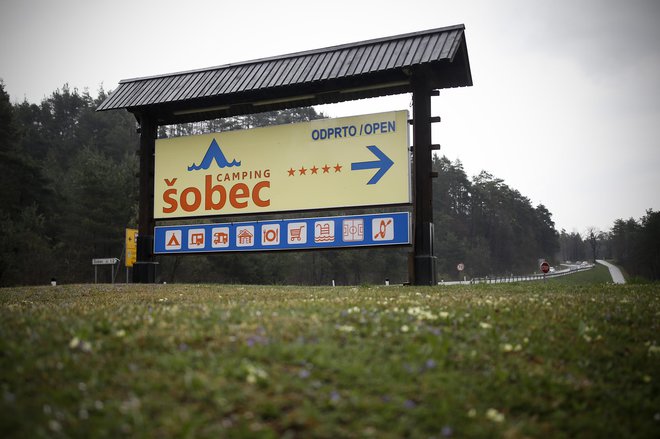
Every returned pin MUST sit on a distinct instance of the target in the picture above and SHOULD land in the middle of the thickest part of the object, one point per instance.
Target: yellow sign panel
(327, 163)
(131, 247)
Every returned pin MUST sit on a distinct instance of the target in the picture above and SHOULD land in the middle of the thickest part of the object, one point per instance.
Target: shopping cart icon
(295, 233)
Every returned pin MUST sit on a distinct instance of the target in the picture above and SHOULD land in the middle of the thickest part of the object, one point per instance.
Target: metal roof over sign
(357, 70)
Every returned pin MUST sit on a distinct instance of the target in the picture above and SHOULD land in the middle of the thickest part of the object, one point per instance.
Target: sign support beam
(144, 269)
(422, 271)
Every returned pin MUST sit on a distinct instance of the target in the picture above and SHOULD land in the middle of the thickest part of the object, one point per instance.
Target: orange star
(314, 169)
(326, 169)
(337, 168)
(291, 172)
(303, 171)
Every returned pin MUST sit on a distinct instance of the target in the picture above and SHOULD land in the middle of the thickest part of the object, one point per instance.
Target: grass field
(512, 360)
(598, 274)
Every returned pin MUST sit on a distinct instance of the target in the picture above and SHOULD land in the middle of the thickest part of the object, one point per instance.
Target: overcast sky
(565, 105)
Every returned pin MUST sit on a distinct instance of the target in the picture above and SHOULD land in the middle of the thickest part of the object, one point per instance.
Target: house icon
(245, 236)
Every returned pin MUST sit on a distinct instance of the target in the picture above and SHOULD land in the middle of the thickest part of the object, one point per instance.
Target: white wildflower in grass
(405, 328)
(254, 373)
(345, 328)
(83, 414)
(421, 313)
(355, 309)
(485, 325)
(508, 347)
(654, 350)
(121, 333)
(73, 344)
(495, 416)
(80, 345)
(54, 425)
(472, 413)
(588, 333)
(443, 314)
(130, 405)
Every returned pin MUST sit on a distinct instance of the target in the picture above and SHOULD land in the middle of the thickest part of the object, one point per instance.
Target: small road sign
(105, 261)
(131, 247)
(460, 267)
(545, 267)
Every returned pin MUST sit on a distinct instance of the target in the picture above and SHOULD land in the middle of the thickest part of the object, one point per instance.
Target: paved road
(617, 276)
(570, 269)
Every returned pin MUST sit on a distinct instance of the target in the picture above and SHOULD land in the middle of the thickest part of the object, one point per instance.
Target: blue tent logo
(214, 153)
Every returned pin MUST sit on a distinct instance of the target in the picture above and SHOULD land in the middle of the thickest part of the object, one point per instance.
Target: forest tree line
(70, 190)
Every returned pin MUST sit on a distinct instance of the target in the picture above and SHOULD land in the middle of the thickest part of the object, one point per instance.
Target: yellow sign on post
(131, 246)
(326, 163)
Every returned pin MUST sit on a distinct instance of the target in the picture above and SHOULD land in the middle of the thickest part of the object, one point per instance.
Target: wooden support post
(144, 268)
(424, 261)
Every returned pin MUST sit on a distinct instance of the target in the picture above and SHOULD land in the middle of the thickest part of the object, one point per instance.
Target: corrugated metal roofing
(334, 69)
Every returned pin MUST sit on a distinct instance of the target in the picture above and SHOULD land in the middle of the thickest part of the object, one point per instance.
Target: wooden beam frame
(422, 270)
(145, 268)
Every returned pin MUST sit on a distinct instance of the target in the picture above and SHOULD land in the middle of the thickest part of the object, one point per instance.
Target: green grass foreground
(511, 360)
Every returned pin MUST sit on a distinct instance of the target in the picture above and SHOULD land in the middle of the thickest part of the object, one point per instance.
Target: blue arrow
(383, 164)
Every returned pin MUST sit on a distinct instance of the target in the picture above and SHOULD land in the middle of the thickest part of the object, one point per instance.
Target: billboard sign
(291, 234)
(321, 164)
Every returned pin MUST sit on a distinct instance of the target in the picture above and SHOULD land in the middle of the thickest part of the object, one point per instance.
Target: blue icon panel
(291, 234)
